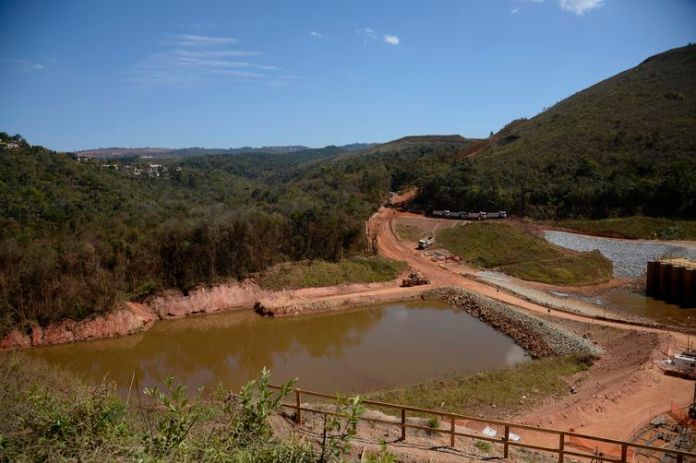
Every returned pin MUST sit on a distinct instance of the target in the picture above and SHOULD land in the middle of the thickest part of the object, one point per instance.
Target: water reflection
(350, 351)
(635, 302)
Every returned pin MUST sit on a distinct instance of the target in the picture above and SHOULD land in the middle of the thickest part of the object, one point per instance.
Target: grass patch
(310, 274)
(583, 269)
(637, 227)
(433, 422)
(409, 232)
(492, 393)
(522, 253)
(483, 446)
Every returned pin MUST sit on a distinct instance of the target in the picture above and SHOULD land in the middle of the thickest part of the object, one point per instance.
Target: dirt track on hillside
(619, 395)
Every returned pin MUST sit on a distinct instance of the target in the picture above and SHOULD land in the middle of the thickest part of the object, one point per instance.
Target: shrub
(483, 446)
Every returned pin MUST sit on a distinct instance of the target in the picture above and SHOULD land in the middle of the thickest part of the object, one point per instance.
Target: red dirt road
(620, 395)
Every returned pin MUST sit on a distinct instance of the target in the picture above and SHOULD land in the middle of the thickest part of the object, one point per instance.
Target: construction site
(632, 398)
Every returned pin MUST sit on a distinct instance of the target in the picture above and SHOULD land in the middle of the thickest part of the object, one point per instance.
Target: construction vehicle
(414, 279)
(425, 243)
(682, 365)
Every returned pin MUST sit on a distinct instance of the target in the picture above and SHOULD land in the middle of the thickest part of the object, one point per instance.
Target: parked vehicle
(682, 365)
(481, 215)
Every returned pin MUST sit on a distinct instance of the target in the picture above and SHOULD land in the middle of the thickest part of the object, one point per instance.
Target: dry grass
(493, 393)
(319, 273)
(409, 232)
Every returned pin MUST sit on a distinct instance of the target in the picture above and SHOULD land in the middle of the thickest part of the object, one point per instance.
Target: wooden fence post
(561, 447)
(506, 445)
(452, 431)
(298, 404)
(403, 424)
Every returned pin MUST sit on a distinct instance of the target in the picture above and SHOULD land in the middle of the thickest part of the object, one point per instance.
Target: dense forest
(78, 236)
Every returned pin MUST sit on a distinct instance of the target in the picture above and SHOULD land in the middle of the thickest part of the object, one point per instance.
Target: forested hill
(79, 236)
(162, 153)
(624, 146)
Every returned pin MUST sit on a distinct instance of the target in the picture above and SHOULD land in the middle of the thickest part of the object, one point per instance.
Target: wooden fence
(627, 452)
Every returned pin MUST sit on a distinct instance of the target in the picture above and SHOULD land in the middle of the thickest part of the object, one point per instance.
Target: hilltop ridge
(626, 145)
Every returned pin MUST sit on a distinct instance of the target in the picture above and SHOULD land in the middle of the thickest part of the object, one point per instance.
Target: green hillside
(78, 237)
(624, 146)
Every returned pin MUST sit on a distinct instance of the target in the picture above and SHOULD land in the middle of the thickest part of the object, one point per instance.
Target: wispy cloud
(370, 35)
(391, 39)
(191, 40)
(190, 58)
(579, 7)
(518, 8)
(318, 35)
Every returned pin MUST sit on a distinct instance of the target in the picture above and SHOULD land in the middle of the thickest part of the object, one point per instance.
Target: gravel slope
(537, 336)
(628, 256)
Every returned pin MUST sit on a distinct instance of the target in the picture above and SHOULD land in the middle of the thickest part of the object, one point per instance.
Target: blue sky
(85, 74)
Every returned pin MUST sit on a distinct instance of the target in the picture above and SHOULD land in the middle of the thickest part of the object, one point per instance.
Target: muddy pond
(352, 351)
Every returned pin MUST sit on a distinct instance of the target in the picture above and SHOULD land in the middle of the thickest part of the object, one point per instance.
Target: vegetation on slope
(47, 414)
(492, 394)
(404, 162)
(409, 232)
(637, 227)
(521, 253)
(76, 238)
(624, 146)
(311, 274)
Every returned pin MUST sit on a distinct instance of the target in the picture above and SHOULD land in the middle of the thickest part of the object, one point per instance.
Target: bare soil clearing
(609, 407)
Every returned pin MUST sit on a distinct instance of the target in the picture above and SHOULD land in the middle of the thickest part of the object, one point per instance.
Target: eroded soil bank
(136, 317)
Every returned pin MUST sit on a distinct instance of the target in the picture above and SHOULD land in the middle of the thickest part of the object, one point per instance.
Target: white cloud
(237, 73)
(579, 7)
(370, 35)
(391, 39)
(514, 11)
(318, 35)
(190, 40)
(197, 58)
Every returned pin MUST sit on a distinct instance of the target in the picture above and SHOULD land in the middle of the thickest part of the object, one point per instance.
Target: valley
(126, 272)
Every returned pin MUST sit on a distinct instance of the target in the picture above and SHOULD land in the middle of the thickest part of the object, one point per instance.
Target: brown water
(353, 351)
(637, 303)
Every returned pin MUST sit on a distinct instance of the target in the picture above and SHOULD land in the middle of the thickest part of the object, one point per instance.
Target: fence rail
(627, 449)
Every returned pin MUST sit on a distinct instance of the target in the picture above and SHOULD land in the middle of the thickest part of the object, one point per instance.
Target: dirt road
(619, 396)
